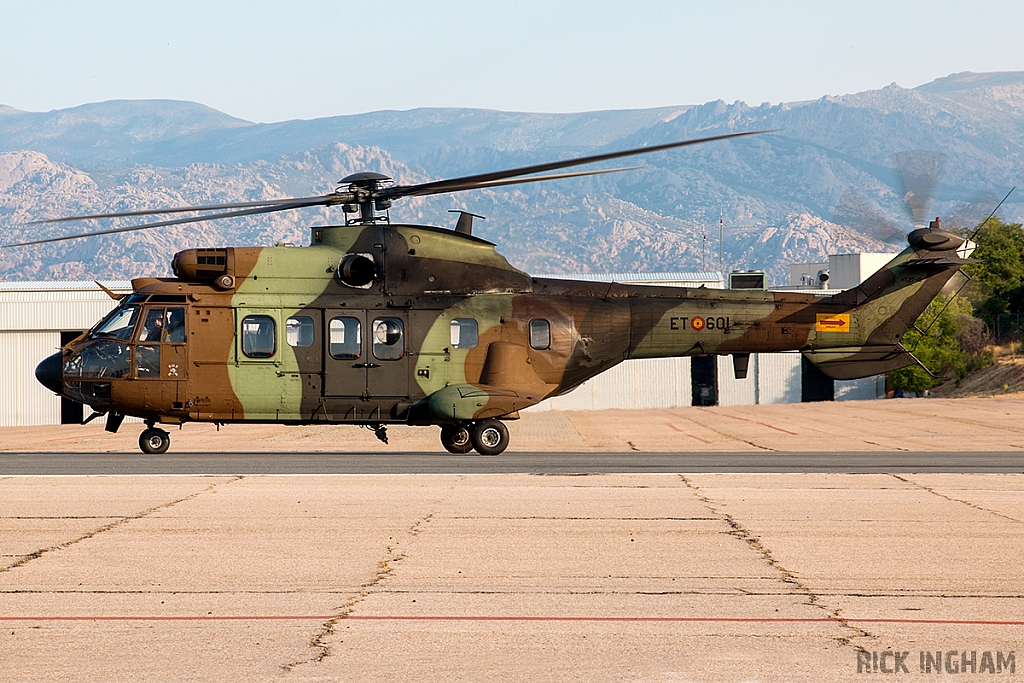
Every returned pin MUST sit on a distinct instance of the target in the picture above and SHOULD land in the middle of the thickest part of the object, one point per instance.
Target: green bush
(953, 344)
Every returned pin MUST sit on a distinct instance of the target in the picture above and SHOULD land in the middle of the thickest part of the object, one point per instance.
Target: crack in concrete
(925, 416)
(107, 527)
(71, 517)
(384, 569)
(720, 432)
(788, 577)
(590, 519)
(968, 503)
(882, 445)
(566, 474)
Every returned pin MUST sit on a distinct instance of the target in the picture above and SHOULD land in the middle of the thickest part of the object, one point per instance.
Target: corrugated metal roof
(63, 285)
(710, 278)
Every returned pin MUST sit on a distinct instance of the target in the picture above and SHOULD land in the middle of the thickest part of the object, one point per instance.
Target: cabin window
(388, 339)
(345, 337)
(540, 334)
(298, 330)
(119, 324)
(464, 333)
(259, 336)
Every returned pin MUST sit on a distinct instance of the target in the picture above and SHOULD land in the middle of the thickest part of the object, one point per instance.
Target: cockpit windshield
(119, 324)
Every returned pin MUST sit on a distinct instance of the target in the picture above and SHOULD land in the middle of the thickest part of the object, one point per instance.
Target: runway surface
(246, 464)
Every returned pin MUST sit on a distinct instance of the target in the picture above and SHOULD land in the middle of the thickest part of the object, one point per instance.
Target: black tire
(154, 441)
(456, 439)
(490, 437)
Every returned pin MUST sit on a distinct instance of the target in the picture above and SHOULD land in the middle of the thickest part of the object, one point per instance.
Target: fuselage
(442, 330)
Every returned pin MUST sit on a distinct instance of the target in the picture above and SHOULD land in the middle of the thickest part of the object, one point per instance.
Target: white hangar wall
(27, 402)
(32, 317)
(634, 384)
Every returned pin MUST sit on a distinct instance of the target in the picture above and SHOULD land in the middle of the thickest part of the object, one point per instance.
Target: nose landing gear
(488, 437)
(154, 441)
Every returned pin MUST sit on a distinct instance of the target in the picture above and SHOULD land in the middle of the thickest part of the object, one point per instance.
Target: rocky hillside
(777, 193)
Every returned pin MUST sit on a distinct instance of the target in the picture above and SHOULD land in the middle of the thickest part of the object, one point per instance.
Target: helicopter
(377, 323)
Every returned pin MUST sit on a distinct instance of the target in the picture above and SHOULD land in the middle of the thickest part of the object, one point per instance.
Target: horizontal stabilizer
(854, 362)
(939, 262)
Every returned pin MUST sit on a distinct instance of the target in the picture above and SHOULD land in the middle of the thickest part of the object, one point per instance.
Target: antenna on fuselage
(465, 224)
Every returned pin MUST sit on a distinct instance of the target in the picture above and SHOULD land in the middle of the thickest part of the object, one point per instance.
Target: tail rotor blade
(858, 213)
(918, 171)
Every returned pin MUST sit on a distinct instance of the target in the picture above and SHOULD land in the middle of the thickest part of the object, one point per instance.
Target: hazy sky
(271, 61)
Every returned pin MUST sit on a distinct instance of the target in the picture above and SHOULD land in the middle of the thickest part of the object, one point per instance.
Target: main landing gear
(488, 437)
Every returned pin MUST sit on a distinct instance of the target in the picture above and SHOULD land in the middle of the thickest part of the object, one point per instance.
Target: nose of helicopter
(48, 372)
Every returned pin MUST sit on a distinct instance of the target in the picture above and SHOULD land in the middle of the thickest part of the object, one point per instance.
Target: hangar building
(36, 319)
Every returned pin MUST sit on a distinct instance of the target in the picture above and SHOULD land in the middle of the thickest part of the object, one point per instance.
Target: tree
(998, 278)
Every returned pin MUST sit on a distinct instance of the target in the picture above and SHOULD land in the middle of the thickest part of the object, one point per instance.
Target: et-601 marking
(699, 323)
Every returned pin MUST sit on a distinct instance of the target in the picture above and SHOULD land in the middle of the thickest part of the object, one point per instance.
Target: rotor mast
(362, 189)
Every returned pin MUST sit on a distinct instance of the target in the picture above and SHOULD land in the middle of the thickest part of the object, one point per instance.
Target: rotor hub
(363, 187)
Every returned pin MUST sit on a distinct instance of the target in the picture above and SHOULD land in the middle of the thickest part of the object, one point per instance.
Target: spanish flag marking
(833, 323)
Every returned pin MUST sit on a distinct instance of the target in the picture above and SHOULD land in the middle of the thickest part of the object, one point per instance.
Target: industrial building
(38, 317)
(843, 271)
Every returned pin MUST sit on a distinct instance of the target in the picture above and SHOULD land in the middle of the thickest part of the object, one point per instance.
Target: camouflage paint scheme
(425, 277)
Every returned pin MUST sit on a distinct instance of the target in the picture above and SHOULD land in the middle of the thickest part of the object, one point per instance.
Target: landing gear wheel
(154, 441)
(490, 437)
(456, 439)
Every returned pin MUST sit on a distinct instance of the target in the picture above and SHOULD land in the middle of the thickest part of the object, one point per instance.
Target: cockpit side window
(174, 326)
(163, 325)
(153, 326)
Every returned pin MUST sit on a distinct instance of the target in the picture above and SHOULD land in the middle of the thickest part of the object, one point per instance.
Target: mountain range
(823, 182)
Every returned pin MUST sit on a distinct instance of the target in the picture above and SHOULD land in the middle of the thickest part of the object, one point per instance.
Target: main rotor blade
(483, 179)
(177, 209)
(918, 171)
(298, 204)
(538, 178)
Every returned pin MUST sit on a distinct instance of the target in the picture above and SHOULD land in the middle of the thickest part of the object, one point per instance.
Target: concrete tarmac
(569, 577)
(509, 577)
